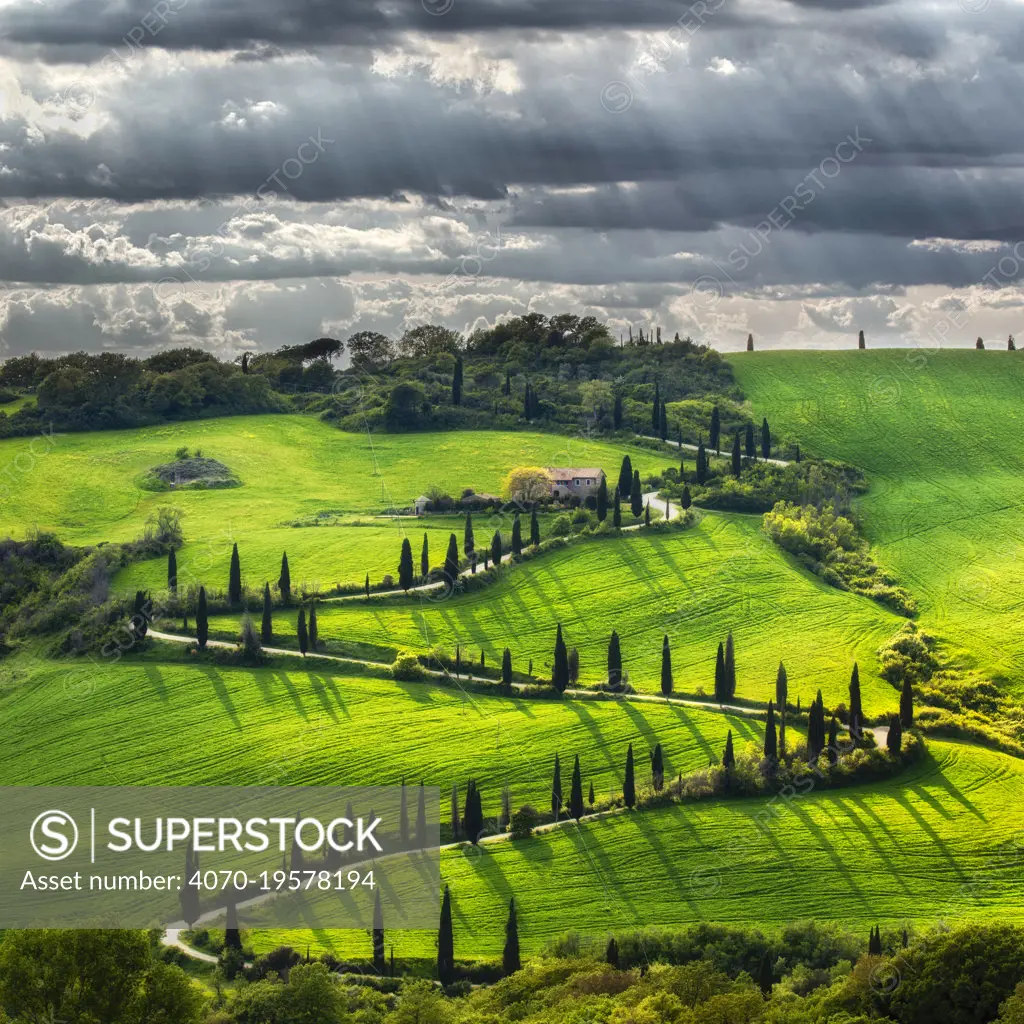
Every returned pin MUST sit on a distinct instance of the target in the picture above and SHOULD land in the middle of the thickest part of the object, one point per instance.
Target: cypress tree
(602, 500)
(496, 547)
(232, 936)
(751, 450)
(766, 439)
(771, 742)
(629, 786)
(560, 663)
(172, 572)
(636, 498)
(202, 620)
(656, 408)
(1010, 344)
(534, 528)
(702, 463)
(730, 667)
(517, 536)
(267, 625)
(556, 790)
(685, 501)
(728, 757)
(473, 815)
(590, 795)
(765, 980)
(506, 670)
(617, 510)
(303, 635)
(406, 572)
(451, 560)
(894, 741)
(737, 461)
(626, 475)
(455, 821)
(721, 684)
(750, 343)
(576, 791)
(663, 423)
(979, 344)
(284, 581)
(856, 711)
(715, 433)
(140, 616)
(379, 964)
(666, 667)
(781, 688)
(457, 382)
(468, 543)
(647, 514)
(425, 557)
(235, 579)
(907, 704)
(614, 662)
(510, 962)
(617, 411)
(446, 942)
(611, 953)
(657, 768)
(860, 340)
(366, 585)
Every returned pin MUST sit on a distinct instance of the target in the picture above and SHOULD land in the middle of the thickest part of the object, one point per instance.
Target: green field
(940, 437)
(695, 585)
(940, 843)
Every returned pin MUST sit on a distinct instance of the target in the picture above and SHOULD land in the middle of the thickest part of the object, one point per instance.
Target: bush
(523, 822)
(407, 666)
(561, 526)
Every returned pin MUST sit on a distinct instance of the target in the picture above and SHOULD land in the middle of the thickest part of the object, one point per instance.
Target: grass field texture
(695, 586)
(941, 436)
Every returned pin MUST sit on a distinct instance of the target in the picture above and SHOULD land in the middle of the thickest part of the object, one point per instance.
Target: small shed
(419, 506)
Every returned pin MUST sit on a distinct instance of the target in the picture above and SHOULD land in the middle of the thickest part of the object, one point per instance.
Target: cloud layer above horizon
(239, 176)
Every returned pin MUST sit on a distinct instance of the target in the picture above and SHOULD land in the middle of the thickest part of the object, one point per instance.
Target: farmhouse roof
(587, 471)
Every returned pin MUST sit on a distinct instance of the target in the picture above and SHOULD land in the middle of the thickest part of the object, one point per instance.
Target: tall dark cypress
(468, 542)
(534, 528)
(506, 670)
(750, 343)
(686, 500)
(730, 667)
(626, 475)
(766, 439)
(235, 579)
(737, 459)
(457, 382)
(656, 408)
(496, 547)
(517, 536)
(765, 979)
(636, 498)
(663, 423)
(560, 663)
(781, 687)
(602, 500)
(446, 942)
(860, 340)
(202, 620)
(510, 961)
(284, 580)
(473, 815)
(715, 433)
(576, 791)
(617, 509)
(611, 953)
(379, 964)
(666, 666)
(556, 790)
(267, 625)
(894, 741)
(721, 680)
(406, 572)
(657, 768)
(425, 557)
(232, 936)
(702, 463)
(614, 661)
(301, 630)
(771, 742)
(172, 572)
(856, 711)
(451, 560)
(728, 756)
(907, 704)
(749, 446)
(629, 786)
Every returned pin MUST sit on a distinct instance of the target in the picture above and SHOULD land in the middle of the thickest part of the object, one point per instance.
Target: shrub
(407, 666)
(561, 526)
(523, 822)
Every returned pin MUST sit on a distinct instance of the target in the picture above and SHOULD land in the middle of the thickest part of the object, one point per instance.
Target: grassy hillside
(696, 586)
(938, 843)
(940, 436)
(85, 487)
(204, 725)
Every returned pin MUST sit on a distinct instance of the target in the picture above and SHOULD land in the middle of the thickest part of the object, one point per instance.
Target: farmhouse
(574, 483)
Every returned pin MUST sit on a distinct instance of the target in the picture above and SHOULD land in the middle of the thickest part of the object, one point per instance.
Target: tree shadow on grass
(683, 715)
(221, 690)
(590, 723)
(936, 839)
(652, 833)
(614, 886)
(319, 687)
(293, 694)
(885, 856)
(157, 682)
(940, 779)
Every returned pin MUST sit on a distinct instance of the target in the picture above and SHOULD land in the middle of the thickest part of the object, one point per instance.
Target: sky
(245, 174)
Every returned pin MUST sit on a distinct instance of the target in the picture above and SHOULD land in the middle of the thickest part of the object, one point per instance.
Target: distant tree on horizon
(979, 344)
(750, 343)
(860, 340)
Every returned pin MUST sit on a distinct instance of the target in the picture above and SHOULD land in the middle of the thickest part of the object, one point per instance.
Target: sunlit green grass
(941, 436)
